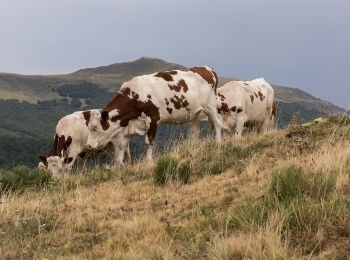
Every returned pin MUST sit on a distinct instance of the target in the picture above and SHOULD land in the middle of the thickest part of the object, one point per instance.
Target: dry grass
(232, 207)
(29, 96)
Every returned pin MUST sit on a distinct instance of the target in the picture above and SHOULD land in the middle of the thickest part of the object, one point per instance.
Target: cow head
(55, 164)
(101, 129)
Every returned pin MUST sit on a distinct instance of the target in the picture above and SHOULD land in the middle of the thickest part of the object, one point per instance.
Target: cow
(144, 102)
(246, 103)
(70, 145)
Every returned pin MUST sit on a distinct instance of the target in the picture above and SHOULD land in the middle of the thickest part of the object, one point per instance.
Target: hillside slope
(281, 195)
(110, 77)
(30, 106)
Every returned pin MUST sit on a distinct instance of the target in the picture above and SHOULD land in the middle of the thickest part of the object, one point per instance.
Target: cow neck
(119, 102)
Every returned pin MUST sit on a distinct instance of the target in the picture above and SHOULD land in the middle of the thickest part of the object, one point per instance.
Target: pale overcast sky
(298, 43)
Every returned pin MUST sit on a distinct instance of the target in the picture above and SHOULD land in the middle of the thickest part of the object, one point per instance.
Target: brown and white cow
(171, 97)
(70, 145)
(249, 103)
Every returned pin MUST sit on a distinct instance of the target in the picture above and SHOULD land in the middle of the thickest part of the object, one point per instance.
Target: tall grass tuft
(22, 177)
(168, 168)
(306, 203)
(287, 184)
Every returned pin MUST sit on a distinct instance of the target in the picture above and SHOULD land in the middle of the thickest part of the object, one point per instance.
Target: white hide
(239, 94)
(200, 97)
(74, 125)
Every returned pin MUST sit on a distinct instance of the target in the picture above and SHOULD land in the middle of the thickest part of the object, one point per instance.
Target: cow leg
(127, 155)
(268, 122)
(216, 122)
(194, 129)
(123, 148)
(149, 140)
(149, 152)
(265, 125)
(241, 119)
(71, 159)
(80, 164)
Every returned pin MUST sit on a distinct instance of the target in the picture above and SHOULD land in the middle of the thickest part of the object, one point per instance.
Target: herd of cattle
(144, 102)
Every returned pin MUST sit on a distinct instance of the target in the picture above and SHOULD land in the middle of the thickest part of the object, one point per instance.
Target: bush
(22, 177)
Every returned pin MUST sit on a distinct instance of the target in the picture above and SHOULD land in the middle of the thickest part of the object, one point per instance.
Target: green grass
(308, 204)
(22, 177)
(168, 168)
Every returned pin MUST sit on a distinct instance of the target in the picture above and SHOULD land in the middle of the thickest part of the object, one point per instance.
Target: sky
(296, 43)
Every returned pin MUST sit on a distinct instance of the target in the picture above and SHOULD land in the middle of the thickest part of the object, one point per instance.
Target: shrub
(22, 177)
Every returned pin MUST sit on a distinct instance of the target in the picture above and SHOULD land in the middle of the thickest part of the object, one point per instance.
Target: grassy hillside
(45, 99)
(281, 195)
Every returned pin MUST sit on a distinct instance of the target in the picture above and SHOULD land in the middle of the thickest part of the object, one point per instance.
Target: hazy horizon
(290, 43)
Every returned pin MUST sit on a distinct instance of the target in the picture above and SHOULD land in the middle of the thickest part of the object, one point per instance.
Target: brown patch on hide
(208, 75)
(170, 110)
(224, 108)
(261, 96)
(104, 120)
(130, 107)
(180, 85)
(179, 102)
(222, 97)
(60, 146)
(166, 75)
(87, 115)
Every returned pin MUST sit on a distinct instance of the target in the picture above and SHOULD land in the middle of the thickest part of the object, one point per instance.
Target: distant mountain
(31, 105)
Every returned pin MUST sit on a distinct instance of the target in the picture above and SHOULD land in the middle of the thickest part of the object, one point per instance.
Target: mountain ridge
(113, 75)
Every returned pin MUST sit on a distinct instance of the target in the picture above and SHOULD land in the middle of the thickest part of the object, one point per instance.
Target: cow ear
(43, 159)
(68, 160)
(104, 116)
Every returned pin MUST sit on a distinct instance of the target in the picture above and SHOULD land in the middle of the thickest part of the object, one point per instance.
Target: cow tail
(274, 112)
(216, 81)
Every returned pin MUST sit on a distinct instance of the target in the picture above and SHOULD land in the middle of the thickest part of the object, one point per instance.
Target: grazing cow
(70, 145)
(144, 102)
(246, 103)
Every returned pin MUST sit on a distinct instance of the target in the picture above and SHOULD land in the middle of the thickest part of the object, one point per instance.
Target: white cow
(243, 103)
(70, 145)
(144, 102)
